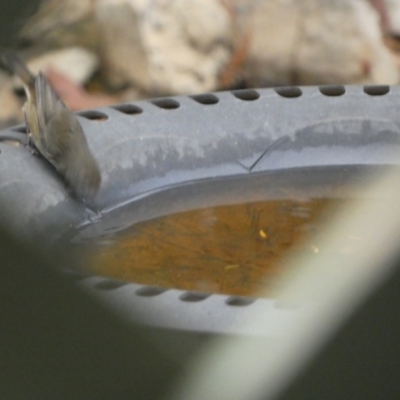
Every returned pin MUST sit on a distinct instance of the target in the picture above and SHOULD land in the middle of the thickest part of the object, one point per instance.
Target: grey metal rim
(150, 148)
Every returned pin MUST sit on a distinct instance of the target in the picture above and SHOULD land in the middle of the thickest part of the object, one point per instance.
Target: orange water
(233, 249)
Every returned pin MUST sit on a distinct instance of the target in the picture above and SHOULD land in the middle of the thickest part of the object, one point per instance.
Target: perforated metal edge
(156, 144)
(186, 310)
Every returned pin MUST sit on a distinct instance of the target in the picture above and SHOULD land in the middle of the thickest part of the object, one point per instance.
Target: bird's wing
(49, 105)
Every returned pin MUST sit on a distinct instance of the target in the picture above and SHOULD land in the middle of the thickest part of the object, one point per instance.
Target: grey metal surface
(143, 146)
(150, 147)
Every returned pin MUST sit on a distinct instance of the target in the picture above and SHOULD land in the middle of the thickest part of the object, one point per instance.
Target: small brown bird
(56, 131)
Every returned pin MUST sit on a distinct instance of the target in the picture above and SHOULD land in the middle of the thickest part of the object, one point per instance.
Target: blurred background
(100, 52)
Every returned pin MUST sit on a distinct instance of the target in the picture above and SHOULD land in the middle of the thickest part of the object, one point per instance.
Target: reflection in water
(233, 249)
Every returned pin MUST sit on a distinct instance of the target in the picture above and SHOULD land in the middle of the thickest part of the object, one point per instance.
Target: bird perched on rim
(56, 131)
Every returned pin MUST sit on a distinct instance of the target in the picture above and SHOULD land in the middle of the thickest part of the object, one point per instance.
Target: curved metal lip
(185, 310)
(152, 146)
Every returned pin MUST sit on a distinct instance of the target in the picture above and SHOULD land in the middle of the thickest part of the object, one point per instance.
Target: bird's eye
(19, 92)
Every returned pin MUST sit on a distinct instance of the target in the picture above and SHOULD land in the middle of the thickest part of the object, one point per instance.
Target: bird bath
(230, 178)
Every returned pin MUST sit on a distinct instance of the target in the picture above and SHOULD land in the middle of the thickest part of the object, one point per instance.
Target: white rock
(393, 14)
(190, 51)
(123, 55)
(75, 63)
(317, 42)
(174, 46)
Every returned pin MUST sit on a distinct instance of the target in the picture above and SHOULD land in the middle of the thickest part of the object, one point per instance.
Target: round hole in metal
(238, 301)
(75, 276)
(332, 90)
(246, 94)
(109, 284)
(129, 109)
(289, 92)
(93, 115)
(19, 91)
(205, 98)
(166, 103)
(20, 129)
(376, 90)
(150, 291)
(193, 297)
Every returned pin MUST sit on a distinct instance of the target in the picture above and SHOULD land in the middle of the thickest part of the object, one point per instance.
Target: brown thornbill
(56, 131)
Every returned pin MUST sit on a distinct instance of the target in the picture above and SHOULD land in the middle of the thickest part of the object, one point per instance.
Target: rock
(392, 14)
(164, 47)
(382, 66)
(122, 50)
(316, 42)
(75, 63)
(62, 23)
(273, 29)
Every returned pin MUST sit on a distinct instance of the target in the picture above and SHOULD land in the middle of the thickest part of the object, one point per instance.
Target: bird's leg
(31, 146)
(29, 142)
